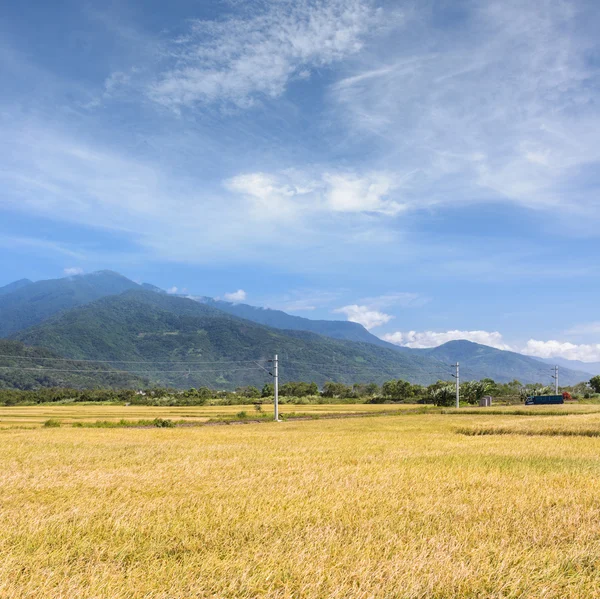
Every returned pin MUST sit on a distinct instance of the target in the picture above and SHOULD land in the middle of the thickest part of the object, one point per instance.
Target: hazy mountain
(32, 303)
(14, 286)
(586, 367)
(23, 367)
(479, 361)
(149, 287)
(336, 329)
(174, 334)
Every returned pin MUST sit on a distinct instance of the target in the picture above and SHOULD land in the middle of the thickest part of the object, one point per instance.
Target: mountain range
(336, 329)
(141, 332)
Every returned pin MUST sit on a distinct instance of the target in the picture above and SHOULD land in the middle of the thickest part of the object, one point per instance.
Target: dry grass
(360, 508)
(569, 425)
(69, 414)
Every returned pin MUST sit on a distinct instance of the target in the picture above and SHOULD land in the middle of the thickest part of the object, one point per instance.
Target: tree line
(440, 393)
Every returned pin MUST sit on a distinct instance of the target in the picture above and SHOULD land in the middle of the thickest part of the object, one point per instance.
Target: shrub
(162, 423)
(52, 423)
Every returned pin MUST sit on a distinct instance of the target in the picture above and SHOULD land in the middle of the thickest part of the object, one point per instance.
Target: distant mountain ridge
(14, 286)
(588, 367)
(480, 361)
(336, 329)
(27, 304)
(181, 342)
(92, 315)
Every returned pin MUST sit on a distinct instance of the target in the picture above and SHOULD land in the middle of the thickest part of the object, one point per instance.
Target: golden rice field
(34, 416)
(400, 506)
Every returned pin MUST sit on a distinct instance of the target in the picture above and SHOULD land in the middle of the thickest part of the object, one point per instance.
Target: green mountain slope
(336, 329)
(480, 361)
(32, 303)
(180, 342)
(23, 367)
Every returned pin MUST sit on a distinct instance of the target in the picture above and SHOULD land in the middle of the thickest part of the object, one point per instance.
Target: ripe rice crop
(389, 507)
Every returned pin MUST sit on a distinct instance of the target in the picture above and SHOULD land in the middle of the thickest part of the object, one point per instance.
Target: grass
(69, 414)
(156, 423)
(547, 432)
(356, 508)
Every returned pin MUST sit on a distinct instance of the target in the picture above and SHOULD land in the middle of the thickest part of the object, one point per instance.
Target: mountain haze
(587, 367)
(480, 361)
(336, 329)
(14, 286)
(27, 304)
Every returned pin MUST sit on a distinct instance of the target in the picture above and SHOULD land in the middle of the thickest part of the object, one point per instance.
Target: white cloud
(570, 351)
(240, 60)
(173, 290)
(533, 347)
(53, 173)
(364, 315)
(350, 193)
(500, 108)
(369, 312)
(292, 193)
(235, 296)
(424, 339)
(72, 271)
(271, 197)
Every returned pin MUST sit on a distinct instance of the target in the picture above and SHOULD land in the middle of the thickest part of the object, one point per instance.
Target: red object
(567, 396)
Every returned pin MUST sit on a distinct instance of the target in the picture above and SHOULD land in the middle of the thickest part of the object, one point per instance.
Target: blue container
(543, 400)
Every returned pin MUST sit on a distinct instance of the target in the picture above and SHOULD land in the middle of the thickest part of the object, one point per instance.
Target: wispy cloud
(242, 59)
(425, 339)
(368, 317)
(38, 245)
(402, 299)
(235, 296)
(503, 112)
(302, 300)
(73, 271)
(294, 193)
(588, 328)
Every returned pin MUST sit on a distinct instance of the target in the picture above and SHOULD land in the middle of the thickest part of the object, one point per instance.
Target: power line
(112, 371)
(358, 369)
(133, 361)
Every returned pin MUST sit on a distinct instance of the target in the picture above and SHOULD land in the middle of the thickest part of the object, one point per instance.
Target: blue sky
(427, 169)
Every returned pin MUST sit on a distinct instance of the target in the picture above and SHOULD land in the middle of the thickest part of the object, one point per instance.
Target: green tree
(340, 390)
(595, 383)
(441, 393)
(298, 389)
(399, 390)
(474, 391)
(249, 392)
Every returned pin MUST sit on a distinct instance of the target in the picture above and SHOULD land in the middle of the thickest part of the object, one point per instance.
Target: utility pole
(276, 387)
(555, 377)
(457, 385)
(275, 375)
(457, 377)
